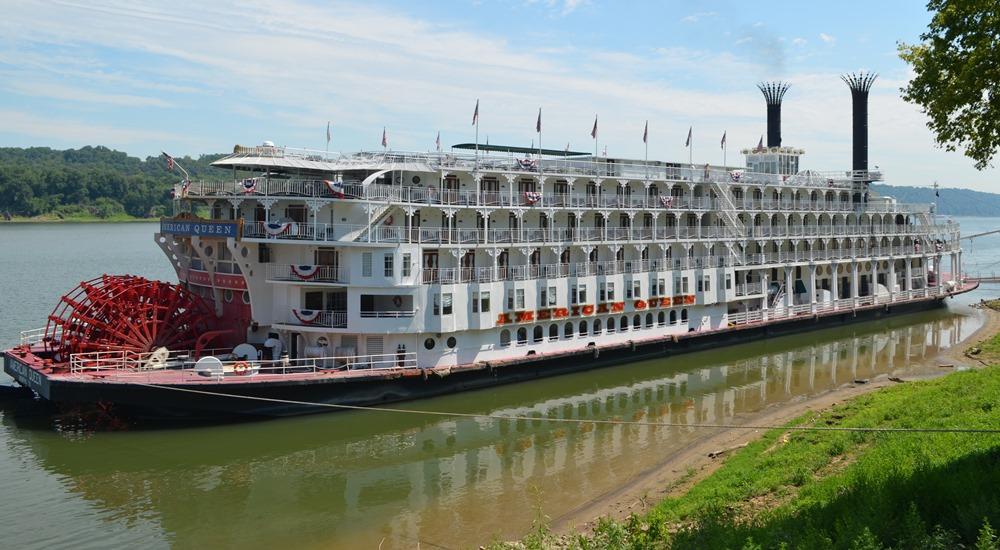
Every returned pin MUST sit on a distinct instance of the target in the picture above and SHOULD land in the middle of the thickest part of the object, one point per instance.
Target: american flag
(170, 161)
(760, 144)
(722, 145)
(538, 123)
(385, 138)
(593, 133)
(328, 132)
(437, 142)
(475, 114)
(688, 142)
(645, 133)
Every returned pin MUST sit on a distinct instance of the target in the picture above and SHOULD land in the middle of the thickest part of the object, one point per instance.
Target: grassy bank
(793, 489)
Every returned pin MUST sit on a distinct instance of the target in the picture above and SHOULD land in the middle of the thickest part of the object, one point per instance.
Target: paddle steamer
(309, 279)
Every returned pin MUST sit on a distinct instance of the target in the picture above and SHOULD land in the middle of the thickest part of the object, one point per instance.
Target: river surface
(358, 479)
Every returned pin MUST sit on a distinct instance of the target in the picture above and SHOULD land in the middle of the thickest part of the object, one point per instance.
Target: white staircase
(727, 209)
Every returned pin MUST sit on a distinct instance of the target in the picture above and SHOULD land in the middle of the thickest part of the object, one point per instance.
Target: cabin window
(484, 302)
(504, 338)
(366, 264)
(387, 267)
(406, 265)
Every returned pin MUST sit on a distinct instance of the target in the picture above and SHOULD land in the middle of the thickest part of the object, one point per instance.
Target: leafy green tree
(957, 76)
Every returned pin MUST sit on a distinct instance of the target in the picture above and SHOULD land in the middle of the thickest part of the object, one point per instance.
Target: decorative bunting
(532, 197)
(307, 316)
(275, 229)
(249, 185)
(736, 175)
(667, 201)
(305, 272)
(336, 188)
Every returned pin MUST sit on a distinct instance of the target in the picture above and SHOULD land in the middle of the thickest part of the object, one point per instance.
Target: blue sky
(189, 78)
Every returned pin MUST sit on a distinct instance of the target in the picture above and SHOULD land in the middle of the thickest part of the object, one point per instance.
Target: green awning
(520, 150)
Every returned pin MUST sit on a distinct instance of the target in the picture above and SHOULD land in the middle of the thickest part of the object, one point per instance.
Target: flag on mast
(722, 145)
(328, 132)
(645, 133)
(437, 142)
(538, 123)
(567, 146)
(760, 144)
(688, 142)
(475, 114)
(385, 137)
(593, 133)
(170, 162)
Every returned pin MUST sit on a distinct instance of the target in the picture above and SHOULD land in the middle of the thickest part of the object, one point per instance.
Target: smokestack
(773, 92)
(860, 83)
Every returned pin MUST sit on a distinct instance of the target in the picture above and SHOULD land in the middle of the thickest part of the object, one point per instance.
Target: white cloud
(695, 17)
(798, 41)
(283, 68)
(826, 38)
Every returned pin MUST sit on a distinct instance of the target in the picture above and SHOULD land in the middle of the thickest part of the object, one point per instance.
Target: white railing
(388, 314)
(328, 319)
(782, 311)
(301, 273)
(129, 365)
(749, 289)
(33, 336)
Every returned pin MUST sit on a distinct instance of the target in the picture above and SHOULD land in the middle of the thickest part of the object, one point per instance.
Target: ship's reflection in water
(353, 479)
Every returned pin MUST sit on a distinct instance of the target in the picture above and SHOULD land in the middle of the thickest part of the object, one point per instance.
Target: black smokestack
(860, 83)
(773, 92)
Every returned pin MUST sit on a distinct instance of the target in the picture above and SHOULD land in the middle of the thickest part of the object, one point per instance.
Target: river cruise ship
(310, 280)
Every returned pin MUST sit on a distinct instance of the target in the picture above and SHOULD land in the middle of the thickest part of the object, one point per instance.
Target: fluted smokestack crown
(773, 92)
(860, 84)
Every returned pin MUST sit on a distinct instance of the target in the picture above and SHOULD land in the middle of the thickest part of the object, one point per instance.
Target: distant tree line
(104, 183)
(93, 181)
(951, 202)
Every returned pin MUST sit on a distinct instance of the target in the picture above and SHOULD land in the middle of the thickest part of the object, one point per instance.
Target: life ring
(388, 221)
(241, 368)
(397, 301)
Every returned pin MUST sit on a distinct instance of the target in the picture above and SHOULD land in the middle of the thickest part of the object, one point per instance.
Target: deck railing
(308, 273)
(114, 366)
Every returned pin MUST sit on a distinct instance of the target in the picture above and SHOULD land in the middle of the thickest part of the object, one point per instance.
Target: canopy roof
(520, 150)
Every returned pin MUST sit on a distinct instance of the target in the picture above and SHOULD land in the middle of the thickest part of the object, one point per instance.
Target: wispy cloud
(826, 38)
(698, 16)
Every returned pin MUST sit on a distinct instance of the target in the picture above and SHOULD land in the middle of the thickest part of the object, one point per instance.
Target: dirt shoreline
(679, 471)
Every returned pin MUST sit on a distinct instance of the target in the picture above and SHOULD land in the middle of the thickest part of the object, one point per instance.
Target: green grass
(794, 489)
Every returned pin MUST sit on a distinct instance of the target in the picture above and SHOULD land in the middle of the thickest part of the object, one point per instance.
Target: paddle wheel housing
(129, 313)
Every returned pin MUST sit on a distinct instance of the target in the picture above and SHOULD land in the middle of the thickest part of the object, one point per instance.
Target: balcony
(318, 318)
(308, 273)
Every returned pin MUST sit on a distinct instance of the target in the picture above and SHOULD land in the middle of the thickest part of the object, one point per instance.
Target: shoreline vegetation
(864, 490)
(40, 184)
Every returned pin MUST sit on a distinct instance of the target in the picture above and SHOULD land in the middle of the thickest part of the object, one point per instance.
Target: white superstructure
(462, 257)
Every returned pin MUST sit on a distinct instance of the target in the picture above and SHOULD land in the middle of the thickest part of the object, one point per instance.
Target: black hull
(275, 399)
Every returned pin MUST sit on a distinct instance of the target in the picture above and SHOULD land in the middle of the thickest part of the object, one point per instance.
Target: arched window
(583, 328)
(504, 338)
(673, 317)
(649, 320)
(661, 318)
(539, 334)
(624, 324)
(636, 321)
(553, 331)
(611, 324)
(568, 330)
(522, 336)
(684, 315)
(597, 326)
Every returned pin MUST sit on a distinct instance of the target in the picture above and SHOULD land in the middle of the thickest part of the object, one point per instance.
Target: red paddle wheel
(128, 313)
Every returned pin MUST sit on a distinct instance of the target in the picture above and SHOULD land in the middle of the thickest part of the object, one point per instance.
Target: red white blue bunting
(666, 200)
(307, 316)
(527, 164)
(736, 175)
(336, 188)
(276, 229)
(249, 185)
(305, 272)
(532, 197)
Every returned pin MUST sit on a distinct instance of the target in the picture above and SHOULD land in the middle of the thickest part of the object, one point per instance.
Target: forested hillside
(102, 183)
(952, 202)
(91, 181)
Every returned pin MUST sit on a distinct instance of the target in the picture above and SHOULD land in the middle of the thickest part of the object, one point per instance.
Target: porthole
(429, 343)
(452, 342)
(245, 251)
(246, 298)
(208, 251)
(227, 295)
(416, 179)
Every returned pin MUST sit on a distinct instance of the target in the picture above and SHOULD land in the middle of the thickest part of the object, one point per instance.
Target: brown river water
(361, 479)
